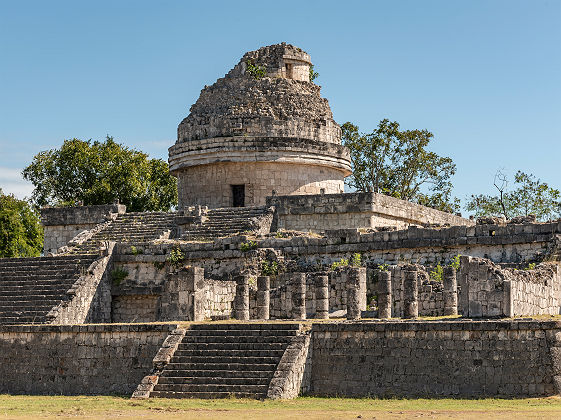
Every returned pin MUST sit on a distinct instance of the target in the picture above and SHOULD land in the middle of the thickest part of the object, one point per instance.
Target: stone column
(241, 301)
(263, 297)
(183, 295)
(356, 291)
(450, 291)
(322, 296)
(410, 295)
(384, 294)
(298, 286)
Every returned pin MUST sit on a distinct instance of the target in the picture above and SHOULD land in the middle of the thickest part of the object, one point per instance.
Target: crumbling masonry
(264, 232)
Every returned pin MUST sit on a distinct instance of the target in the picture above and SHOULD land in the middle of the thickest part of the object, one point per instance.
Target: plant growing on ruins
(397, 163)
(356, 260)
(343, 262)
(383, 267)
(530, 197)
(313, 74)
(437, 273)
(255, 70)
(118, 274)
(175, 257)
(270, 268)
(455, 262)
(21, 233)
(531, 266)
(248, 246)
(101, 173)
(135, 250)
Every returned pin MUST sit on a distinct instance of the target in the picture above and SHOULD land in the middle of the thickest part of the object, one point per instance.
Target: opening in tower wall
(238, 195)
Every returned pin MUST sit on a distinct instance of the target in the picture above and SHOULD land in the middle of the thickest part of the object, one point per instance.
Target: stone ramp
(228, 221)
(131, 227)
(31, 287)
(225, 360)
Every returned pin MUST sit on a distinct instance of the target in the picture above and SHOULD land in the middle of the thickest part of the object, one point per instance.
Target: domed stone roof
(284, 103)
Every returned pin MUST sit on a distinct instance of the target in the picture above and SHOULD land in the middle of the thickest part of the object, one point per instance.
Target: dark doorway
(238, 195)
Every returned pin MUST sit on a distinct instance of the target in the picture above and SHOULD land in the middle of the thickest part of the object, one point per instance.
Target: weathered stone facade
(248, 136)
(77, 359)
(436, 359)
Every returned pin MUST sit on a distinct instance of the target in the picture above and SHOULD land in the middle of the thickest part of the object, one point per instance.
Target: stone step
(231, 346)
(212, 352)
(244, 332)
(28, 304)
(212, 388)
(209, 380)
(22, 320)
(223, 366)
(293, 326)
(220, 373)
(228, 339)
(240, 360)
(206, 395)
(38, 279)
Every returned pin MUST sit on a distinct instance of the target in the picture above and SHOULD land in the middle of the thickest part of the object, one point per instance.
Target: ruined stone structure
(263, 233)
(247, 137)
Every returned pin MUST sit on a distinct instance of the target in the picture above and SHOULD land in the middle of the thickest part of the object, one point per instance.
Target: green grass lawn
(309, 408)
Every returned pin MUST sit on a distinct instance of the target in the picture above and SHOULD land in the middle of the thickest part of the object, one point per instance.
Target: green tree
(21, 233)
(530, 197)
(397, 163)
(100, 173)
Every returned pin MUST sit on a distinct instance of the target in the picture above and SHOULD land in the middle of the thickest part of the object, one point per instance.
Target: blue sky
(483, 76)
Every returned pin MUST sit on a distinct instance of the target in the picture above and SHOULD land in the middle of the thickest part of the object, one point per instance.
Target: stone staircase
(225, 360)
(130, 227)
(31, 287)
(226, 221)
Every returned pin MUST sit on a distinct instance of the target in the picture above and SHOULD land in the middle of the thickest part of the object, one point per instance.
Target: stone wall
(354, 210)
(436, 359)
(487, 290)
(210, 185)
(88, 299)
(218, 298)
(61, 224)
(134, 308)
(78, 359)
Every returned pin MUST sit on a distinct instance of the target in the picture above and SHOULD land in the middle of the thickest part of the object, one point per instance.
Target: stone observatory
(261, 130)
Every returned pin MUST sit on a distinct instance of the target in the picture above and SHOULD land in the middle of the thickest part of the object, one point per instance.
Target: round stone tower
(260, 130)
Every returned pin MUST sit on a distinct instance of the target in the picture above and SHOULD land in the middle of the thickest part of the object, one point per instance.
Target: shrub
(270, 268)
(455, 263)
(175, 257)
(356, 260)
(248, 246)
(437, 273)
(118, 275)
(256, 71)
(343, 262)
(135, 250)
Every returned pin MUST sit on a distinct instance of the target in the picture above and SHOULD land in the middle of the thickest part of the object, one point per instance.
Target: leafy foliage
(530, 197)
(343, 262)
(270, 268)
(313, 74)
(397, 163)
(175, 257)
(118, 275)
(248, 246)
(255, 70)
(101, 173)
(356, 260)
(21, 233)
